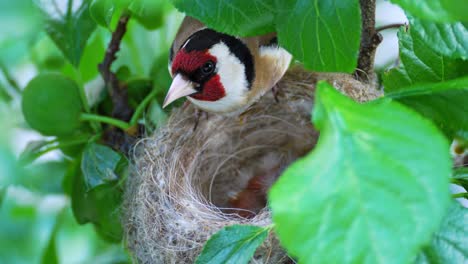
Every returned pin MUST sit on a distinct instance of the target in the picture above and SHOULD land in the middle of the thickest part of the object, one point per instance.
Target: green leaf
(73, 145)
(445, 103)
(44, 177)
(50, 255)
(236, 17)
(436, 10)
(450, 40)
(101, 165)
(371, 180)
(324, 35)
(420, 60)
(100, 206)
(448, 110)
(138, 89)
(449, 244)
(93, 54)
(431, 78)
(96, 190)
(155, 116)
(70, 28)
(234, 244)
(102, 11)
(162, 78)
(9, 169)
(46, 55)
(460, 177)
(123, 73)
(149, 13)
(51, 104)
(33, 150)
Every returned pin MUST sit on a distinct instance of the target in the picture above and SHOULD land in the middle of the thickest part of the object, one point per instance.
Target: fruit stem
(141, 107)
(84, 99)
(104, 119)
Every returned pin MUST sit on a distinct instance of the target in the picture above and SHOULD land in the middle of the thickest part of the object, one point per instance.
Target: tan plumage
(270, 62)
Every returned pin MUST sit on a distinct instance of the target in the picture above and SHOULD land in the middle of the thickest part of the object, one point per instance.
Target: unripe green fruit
(51, 104)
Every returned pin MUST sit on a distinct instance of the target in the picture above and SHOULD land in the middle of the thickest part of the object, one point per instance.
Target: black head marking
(273, 42)
(207, 38)
(201, 75)
(171, 53)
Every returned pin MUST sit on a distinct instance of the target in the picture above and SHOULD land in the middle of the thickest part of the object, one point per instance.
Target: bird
(253, 198)
(221, 73)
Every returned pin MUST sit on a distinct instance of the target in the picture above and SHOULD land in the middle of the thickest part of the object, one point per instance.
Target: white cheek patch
(169, 68)
(232, 74)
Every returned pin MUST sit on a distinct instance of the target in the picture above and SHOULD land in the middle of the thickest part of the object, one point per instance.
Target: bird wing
(267, 40)
(271, 62)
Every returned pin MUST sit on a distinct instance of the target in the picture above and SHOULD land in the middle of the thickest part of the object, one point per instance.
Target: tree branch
(117, 92)
(395, 25)
(370, 39)
(118, 136)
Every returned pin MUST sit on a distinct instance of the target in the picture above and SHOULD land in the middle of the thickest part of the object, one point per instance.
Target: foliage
(375, 189)
(450, 238)
(460, 177)
(337, 192)
(436, 10)
(70, 30)
(233, 244)
(422, 60)
(432, 77)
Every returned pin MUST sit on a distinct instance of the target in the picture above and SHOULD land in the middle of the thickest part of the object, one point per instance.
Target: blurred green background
(37, 224)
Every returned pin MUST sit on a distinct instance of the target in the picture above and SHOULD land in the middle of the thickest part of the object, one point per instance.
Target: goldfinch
(220, 73)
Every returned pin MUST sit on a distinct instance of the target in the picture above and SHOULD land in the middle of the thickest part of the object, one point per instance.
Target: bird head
(214, 71)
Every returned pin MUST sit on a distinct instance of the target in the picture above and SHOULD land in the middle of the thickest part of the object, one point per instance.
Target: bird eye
(208, 68)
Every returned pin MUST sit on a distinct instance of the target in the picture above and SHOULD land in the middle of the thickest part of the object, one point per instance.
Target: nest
(187, 184)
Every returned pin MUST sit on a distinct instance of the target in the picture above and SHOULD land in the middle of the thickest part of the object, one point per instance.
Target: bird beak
(180, 87)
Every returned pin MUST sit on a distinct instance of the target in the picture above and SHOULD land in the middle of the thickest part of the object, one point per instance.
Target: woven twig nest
(183, 182)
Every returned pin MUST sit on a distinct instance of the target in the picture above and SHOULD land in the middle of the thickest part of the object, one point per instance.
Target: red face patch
(188, 62)
(213, 90)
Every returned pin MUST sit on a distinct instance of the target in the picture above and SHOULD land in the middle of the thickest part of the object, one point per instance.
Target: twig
(370, 39)
(395, 25)
(460, 195)
(118, 93)
(9, 78)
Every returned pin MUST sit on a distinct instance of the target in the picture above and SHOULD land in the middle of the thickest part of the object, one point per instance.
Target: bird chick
(220, 73)
(248, 202)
